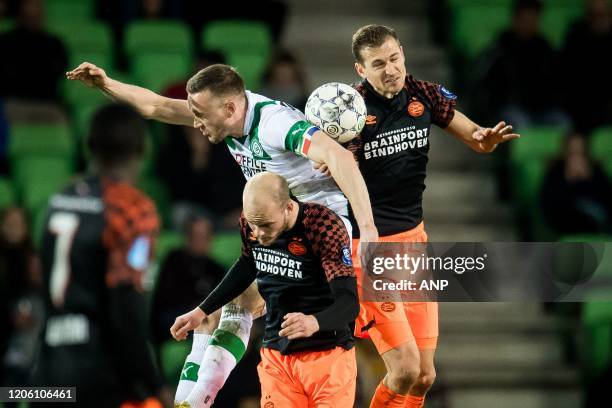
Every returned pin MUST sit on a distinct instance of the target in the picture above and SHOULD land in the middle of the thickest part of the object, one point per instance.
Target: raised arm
(481, 140)
(345, 172)
(149, 104)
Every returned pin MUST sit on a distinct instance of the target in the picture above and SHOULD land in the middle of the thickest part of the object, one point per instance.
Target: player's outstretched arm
(149, 104)
(481, 140)
(344, 170)
(236, 280)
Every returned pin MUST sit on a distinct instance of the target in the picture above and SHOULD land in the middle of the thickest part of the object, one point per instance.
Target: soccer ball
(338, 110)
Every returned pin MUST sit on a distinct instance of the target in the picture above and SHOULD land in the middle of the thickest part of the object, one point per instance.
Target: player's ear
(360, 70)
(230, 109)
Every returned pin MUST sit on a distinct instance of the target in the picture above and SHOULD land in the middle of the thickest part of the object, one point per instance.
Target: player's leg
(328, 377)
(402, 361)
(279, 388)
(423, 318)
(426, 378)
(189, 373)
(226, 346)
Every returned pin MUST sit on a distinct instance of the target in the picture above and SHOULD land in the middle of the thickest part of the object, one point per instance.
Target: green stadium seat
(226, 248)
(85, 36)
(537, 143)
(237, 36)
(166, 242)
(247, 45)
(39, 178)
(597, 332)
(173, 354)
(527, 179)
(601, 144)
(38, 225)
(69, 11)
(153, 188)
(557, 19)
(40, 139)
(81, 119)
(30, 168)
(475, 27)
(250, 67)
(6, 24)
(157, 71)
(7, 193)
(158, 37)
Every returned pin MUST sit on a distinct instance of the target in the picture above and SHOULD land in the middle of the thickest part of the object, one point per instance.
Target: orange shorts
(390, 324)
(308, 379)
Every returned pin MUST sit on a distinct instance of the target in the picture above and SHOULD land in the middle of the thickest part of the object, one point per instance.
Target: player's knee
(404, 375)
(425, 380)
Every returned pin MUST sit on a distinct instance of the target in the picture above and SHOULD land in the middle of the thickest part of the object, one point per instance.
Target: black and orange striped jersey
(392, 150)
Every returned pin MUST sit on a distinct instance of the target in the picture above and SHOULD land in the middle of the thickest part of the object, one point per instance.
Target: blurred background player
(98, 241)
(299, 253)
(405, 335)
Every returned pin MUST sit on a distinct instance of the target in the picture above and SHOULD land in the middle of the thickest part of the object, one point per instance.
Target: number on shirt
(64, 226)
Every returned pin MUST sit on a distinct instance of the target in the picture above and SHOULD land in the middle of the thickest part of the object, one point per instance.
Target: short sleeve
(129, 236)
(285, 128)
(441, 101)
(329, 240)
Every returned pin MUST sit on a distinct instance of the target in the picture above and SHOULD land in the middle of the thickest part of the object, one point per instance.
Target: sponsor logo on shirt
(346, 256)
(275, 262)
(396, 141)
(138, 254)
(416, 109)
(297, 248)
(249, 165)
(446, 93)
(370, 120)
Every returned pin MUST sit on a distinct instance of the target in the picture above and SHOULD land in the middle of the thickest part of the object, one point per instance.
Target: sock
(225, 349)
(412, 401)
(189, 373)
(385, 397)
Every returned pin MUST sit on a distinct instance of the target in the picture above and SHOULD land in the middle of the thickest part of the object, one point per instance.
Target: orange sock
(384, 397)
(414, 401)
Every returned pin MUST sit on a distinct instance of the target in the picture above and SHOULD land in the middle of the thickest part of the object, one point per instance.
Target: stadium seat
(557, 19)
(69, 10)
(247, 45)
(166, 242)
(6, 24)
(158, 37)
(39, 139)
(250, 67)
(39, 178)
(93, 36)
(226, 248)
(173, 354)
(7, 193)
(38, 225)
(152, 187)
(537, 143)
(597, 322)
(156, 71)
(475, 27)
(601, 144)
(237, 36)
